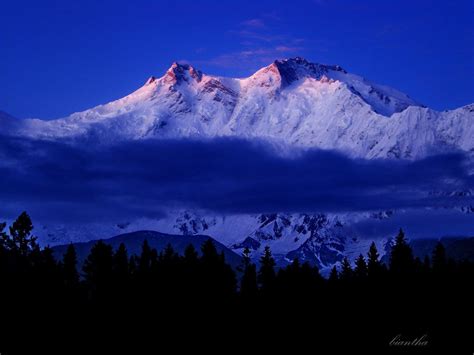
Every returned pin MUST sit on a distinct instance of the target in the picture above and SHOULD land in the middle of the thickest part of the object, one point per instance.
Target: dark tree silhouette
(334, 275)
(374, 267)
(20, 239)
(190, 255)
(439, 258)
(401, 256)
(121, 266)
(98, 270)
(145, 260)
(266, 274)
(360, 269)
(346, 270)
(209, 252)
(248, 284)
(217, 276)
(187, 290)
(3, 236)
(169, 256)
(69, 267)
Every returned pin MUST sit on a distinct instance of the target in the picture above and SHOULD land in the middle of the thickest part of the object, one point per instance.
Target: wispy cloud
(252, 58)
(285, 49)
(252, 34)
(261, 43)
(254, 23)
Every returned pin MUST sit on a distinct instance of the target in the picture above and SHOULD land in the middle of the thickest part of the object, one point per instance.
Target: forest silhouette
(167, 298)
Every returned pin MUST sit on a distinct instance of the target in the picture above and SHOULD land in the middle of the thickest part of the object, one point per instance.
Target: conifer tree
(218, 277)
(374, 266)
(209, 252)
(248, 285)
(47, 269)
(69, 267)
(20, 239)
(190, 255)
(266, 275)
(121, 267)
(360, 270)
(98, 268)
(401, 256)
(346, 270)
(334, 275)
(3, 236)
(439, 258)
(426, 264)
(169, 256)
(145, 260)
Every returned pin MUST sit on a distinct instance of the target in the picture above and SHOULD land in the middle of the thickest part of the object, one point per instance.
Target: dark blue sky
(57, 57)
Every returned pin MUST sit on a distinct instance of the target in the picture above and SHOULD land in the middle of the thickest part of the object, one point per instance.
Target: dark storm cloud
(143, 178)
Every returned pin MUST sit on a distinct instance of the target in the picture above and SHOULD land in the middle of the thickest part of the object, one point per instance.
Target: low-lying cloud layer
(57, 181)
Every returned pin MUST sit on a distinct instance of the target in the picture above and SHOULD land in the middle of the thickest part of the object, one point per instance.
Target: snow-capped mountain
(291, 101)
(321, 239)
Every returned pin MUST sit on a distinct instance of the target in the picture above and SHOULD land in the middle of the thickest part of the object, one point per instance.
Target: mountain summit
(292, 101)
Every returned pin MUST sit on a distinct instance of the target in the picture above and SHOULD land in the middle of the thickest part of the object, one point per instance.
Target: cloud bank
(59, 181)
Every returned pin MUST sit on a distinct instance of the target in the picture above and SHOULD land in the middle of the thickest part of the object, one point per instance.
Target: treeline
(116, 288)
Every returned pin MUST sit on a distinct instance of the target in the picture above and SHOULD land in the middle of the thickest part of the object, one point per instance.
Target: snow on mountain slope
(291, 101)
(321, 239)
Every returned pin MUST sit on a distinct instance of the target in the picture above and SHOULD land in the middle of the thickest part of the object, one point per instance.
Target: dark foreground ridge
(195, 301)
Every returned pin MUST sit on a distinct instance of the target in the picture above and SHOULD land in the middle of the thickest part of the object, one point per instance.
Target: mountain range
(292, 104)
(291, 101)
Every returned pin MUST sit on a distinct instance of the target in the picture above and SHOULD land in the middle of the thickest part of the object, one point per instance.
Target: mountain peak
(150, 80)
(287, 71)
(179, 72)
(293, 69)
(302, 62)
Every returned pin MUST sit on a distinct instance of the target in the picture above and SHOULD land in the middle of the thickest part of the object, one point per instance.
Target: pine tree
(246, 257)
(334, 275)
(46, 267)
(3, 236)
(248, 285)
(3, 255)
(401, 257)
(145, 260)
(360, 267)
(218, 277)
(346, 270)
(121, 267)
(417, 265)
(374, 266)
(209, 252)
(69, 267)
(266, 275)
(190, 255)
(98, 269)
(20, 239)
(426, 264)
(133, 266)
(191, 281)
(295, 266)
(439, 258)
(310, 279)
(169, 256)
